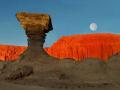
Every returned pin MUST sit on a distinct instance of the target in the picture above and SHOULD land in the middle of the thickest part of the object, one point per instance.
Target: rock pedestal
(36, 26)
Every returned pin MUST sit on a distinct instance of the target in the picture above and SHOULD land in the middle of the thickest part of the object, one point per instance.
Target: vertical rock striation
(83, 46)
(10, 52)
(36, 26)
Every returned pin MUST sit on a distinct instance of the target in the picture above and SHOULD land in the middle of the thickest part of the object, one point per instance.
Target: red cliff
(78, 47)
(82, 46)
(10, 52)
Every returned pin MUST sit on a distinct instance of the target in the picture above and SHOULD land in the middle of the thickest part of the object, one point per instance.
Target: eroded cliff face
(10, 52)
(80, 47)
(36, 26)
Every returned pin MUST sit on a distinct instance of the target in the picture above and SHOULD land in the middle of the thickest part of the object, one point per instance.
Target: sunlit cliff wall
(10, 52)
(79, 47)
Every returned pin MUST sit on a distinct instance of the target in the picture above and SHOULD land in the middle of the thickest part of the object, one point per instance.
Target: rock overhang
(35, 22)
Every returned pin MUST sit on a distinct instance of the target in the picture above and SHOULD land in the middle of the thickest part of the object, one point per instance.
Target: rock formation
(83, 46)
(36, 26)
(63, 74)
(10, 52)
(78, 47)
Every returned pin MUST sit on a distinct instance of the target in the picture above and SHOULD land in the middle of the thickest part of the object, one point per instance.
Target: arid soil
(64, 75)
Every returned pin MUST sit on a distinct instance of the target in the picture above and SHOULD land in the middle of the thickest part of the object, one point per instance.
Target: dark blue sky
(68, 17)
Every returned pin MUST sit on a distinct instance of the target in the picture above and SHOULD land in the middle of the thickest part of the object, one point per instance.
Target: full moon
(93, 26)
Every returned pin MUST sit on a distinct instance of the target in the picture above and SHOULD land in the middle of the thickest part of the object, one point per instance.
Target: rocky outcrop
(10, 52)
(20, 72)
(78, 47)
(51, 73)
(83, 46)
(36, 26)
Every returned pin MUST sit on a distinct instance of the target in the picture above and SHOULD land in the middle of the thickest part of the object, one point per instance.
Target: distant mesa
(83, 46)
(10, 52)
(77, 47)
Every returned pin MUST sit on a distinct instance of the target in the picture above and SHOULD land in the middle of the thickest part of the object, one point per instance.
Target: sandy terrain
(10, 86)
(90, 74)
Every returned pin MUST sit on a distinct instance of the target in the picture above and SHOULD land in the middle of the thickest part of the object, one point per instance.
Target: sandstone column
(36, 26)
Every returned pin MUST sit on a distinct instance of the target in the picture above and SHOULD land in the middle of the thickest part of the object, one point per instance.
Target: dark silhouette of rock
(36, 26)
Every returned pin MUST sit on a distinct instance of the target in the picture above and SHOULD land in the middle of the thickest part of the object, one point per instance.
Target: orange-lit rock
(10, 52)
(84, 46)
(78, 47)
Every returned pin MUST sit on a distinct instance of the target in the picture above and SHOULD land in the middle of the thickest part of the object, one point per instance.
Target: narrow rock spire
(36, 26)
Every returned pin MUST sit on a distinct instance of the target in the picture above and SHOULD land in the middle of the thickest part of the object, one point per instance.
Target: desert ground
(67, 74)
